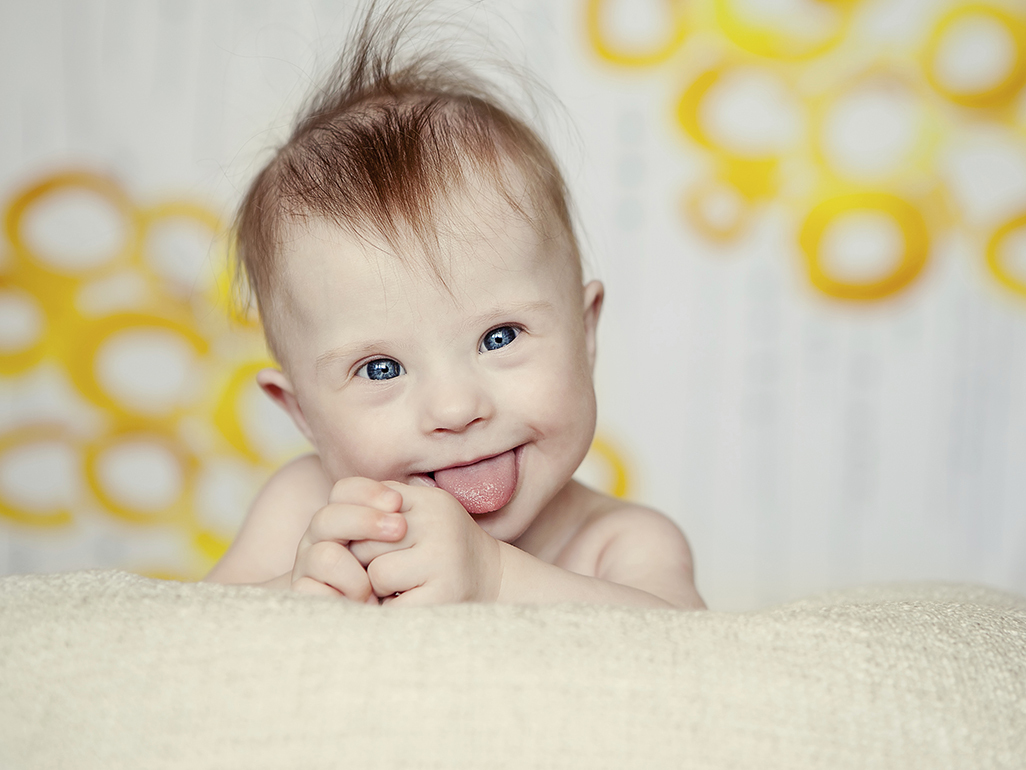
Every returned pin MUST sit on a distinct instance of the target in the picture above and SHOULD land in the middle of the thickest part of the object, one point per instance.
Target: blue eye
(381, 369)
(499, 338)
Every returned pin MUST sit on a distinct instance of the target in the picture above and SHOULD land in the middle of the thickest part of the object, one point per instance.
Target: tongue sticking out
(482, 487)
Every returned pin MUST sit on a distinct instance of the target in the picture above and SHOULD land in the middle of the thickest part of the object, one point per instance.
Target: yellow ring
(81, 355)
(914, 257)
(694, 213)
(771, 44)
(104, 187)
(995, 260)
(34, 434)
(178, 511)
(754, 177)
(620, 486)
(1004, 91)
(921, 157)
(226, 413)
(627, 58)
(175, 210)
(17, 361)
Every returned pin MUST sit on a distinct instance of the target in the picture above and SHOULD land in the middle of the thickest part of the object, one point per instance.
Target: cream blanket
(110, 670)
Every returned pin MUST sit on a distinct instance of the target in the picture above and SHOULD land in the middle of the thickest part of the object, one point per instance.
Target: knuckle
(354, 489)
(318, 520)
(324, 556)
(344, 488)
(377, 573)
(359, 591)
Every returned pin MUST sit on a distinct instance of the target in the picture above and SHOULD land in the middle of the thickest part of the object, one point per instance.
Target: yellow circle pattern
(913, 258)
(191, 432)
(711, 38)
(72, 338)
(999, 94)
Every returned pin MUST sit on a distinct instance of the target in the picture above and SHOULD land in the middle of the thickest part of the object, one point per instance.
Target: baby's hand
(357, 509)
(444, 557)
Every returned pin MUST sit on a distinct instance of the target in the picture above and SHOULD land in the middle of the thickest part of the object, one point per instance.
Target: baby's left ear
(593, 294)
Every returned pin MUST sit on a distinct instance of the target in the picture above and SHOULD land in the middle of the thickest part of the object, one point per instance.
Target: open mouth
(483, 486)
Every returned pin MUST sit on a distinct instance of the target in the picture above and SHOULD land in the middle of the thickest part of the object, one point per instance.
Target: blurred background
(810, 216)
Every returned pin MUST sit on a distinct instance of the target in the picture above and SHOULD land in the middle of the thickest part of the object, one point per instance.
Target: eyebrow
(500, 313)
(359, 349)
(343, 352)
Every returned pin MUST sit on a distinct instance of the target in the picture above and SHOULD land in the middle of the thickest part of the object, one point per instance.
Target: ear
(276, 385)
(593, 295)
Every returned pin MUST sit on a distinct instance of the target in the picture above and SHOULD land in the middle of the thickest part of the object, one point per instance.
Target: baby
(414, 263)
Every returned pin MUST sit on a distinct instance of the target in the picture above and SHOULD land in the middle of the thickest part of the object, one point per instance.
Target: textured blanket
(111, 670)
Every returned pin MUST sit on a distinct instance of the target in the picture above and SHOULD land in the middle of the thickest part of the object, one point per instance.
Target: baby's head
(414, 263)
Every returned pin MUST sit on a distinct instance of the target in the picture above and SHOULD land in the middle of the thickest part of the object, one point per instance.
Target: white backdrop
(810, 217)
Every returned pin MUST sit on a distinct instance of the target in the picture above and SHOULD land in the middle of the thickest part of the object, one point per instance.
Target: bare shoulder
(631, 544)
(265, 545)
(614, 523)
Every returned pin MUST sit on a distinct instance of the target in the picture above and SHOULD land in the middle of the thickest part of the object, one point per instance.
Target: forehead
(481, 233)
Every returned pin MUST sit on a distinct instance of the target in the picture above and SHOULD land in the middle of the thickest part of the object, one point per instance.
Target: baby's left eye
(499, 338)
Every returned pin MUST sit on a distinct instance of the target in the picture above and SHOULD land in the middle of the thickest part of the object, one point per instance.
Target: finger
(367, 551)
(343, 522)
(358, 490)
(307, 585)
(420, 493)
(331, 564)
(390, 574)
(421, 596)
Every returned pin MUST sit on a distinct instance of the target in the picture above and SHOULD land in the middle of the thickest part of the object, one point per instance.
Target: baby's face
(483, 388)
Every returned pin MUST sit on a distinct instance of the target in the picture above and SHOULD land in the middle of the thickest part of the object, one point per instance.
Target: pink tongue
(482, 487)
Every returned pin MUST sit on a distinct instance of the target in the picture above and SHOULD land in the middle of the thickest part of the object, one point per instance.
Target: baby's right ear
(276, 385)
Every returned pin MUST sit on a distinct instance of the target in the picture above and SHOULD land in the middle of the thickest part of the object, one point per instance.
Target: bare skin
(590, 548)
(448, 421)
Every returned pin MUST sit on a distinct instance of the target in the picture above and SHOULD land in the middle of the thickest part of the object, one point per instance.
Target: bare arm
(264, 551)
(632, 557)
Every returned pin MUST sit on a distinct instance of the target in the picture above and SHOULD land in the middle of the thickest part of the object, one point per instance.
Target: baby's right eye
(381, 369)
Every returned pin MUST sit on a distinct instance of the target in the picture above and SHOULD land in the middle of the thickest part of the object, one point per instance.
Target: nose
(455, 400)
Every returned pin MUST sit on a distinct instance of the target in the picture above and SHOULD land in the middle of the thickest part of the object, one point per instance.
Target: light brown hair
(381, 148)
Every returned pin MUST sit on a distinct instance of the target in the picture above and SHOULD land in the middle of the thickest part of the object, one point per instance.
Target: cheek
(562, 401)
(354, 442)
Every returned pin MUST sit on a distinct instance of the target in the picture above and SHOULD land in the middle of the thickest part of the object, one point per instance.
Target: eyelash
(516, 333)
(365, 370)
